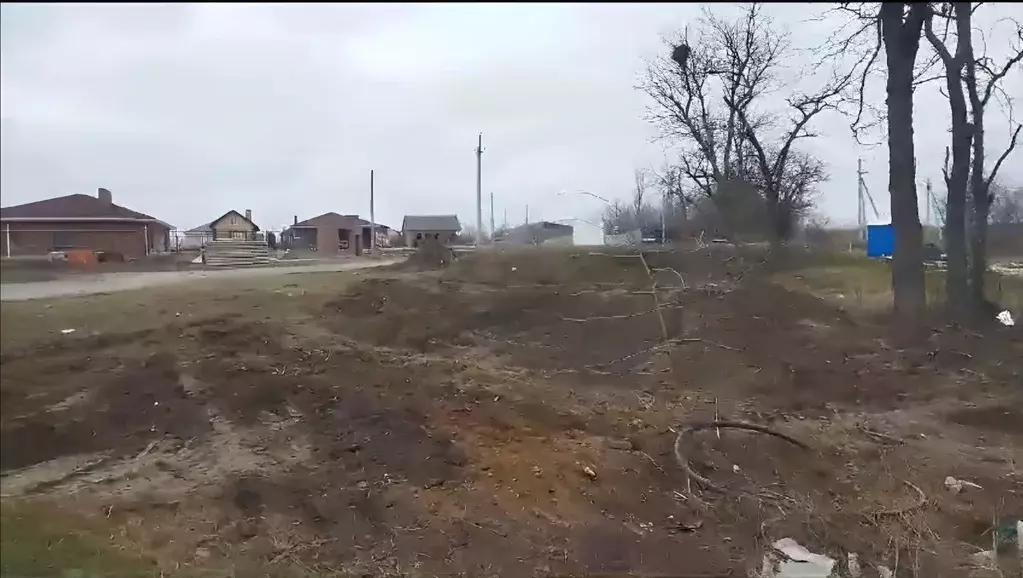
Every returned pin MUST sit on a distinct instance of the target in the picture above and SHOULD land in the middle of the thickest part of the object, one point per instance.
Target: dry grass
(290, 295)
(528, 428)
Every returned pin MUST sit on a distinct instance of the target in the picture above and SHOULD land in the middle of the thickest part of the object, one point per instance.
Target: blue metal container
(880, 241)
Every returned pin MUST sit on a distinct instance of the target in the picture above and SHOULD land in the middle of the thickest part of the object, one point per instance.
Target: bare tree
(901, 26)
(956, 177)
(894, 28)
(983, 80)
(734, 63)
(1006, 206)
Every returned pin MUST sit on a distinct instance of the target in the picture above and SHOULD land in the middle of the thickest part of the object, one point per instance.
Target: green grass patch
(40, 542)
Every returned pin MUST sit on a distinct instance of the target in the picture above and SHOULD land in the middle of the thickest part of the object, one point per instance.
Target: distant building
(540, 233)
(232, 225)
(80, 222)
(418, 228)
(333, 234)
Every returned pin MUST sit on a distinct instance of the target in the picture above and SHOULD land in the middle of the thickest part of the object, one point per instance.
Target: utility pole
(664, 207)
(504, 223)
(861, 215)
(479, 192)
(491, 218)
(527, 214)
(372, 217)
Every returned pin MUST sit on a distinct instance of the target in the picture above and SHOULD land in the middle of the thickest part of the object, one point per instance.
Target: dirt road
(111, 282)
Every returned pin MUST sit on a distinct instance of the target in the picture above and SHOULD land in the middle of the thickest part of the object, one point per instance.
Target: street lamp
(563, 193)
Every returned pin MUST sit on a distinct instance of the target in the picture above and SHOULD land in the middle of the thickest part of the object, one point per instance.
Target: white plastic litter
(798, 562)
(1005, 318)
(955, 485)
(67, 331)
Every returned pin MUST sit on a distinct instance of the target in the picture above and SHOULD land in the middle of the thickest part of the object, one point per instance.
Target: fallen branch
(657, 347)
(715, 424)
(921, 501)
(609, 317)
(677, 274)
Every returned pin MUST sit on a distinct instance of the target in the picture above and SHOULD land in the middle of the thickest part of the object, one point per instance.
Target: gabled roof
(334, 219)
(201, 229)
(430, 223)
(69, 207)
(327, 220)
(241, 216)
(364, 223)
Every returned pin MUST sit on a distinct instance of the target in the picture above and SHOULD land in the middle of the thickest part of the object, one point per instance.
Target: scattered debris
(67, 331)
(686, 527)
(853, 565)
(795, 562)
(955, 485)
(1005, 318)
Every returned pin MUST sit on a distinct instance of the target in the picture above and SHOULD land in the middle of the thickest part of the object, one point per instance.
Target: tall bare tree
(956, 177)
(983, 79)
(706, 95)
(894, 29)
(901, 27)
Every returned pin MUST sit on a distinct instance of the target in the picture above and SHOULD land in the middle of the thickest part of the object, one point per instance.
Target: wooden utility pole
(479, 192)
(492, 218)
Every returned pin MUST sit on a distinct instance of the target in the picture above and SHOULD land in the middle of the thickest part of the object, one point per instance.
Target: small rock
(589, 472)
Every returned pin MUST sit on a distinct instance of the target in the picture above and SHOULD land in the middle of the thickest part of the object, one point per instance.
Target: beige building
(417, 228)
(232, 225)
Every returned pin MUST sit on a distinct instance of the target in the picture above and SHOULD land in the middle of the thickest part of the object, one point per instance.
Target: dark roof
(364, 223)
(335, 219)
(201, 229)
(76, 206)
(430, 223)
(254, 226)
(328, 219)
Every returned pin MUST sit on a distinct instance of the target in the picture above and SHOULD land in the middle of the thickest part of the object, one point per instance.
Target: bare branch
(1005, 154)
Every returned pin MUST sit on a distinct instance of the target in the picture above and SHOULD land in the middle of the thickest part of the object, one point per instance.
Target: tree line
(744, 161)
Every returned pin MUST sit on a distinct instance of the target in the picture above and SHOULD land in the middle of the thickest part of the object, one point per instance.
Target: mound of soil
(431, 255)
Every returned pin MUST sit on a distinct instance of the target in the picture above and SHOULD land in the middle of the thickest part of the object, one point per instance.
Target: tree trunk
(981, 205)
(956, 286)
(901, 45)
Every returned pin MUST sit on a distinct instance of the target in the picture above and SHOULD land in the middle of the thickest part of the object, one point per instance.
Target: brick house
(80, 222)
(333, 234)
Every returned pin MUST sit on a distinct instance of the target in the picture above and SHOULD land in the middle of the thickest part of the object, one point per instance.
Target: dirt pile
(430, 255)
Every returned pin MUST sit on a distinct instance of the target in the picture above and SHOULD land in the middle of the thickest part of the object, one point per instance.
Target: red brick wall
(37, 238)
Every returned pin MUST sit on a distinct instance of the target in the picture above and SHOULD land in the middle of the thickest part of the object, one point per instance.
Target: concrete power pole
(492, 218)
(372, 216)
(861, 207)
(479, 192)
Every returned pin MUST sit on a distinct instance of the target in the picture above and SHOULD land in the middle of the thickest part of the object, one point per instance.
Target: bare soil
(514, 413)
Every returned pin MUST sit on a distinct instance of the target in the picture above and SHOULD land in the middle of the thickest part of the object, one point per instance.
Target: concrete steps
(236, 253)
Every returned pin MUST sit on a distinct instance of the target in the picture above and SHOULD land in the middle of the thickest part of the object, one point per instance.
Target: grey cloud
(185, 110)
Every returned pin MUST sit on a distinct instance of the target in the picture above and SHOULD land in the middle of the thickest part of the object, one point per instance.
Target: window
(63, 240)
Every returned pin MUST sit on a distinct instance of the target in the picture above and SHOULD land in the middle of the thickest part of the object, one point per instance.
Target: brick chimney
(296, 220)
(248, 214)
(104, 196)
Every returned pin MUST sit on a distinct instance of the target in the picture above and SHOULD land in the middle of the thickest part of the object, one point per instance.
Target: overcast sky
(187, 111)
